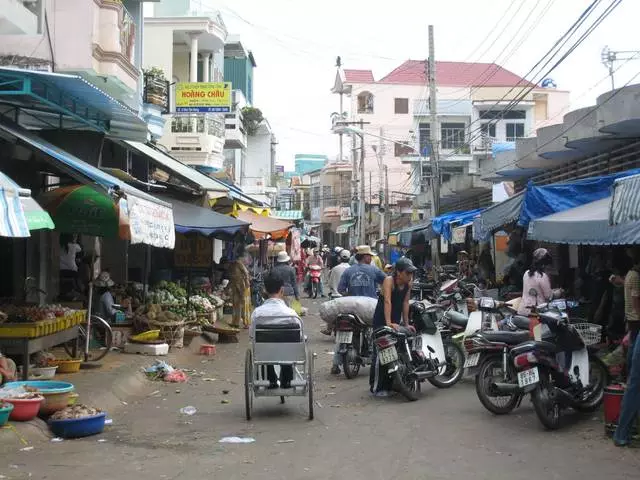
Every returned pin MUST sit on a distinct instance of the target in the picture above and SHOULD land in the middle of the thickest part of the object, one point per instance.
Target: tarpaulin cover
(263, 226)
(549, 199)
(496, 216)
(405, 235)
(442, 224)
(497, 147)
(625, 204)
(587, 224)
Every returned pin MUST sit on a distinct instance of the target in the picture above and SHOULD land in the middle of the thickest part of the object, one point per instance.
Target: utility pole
(609, 57)
(381, 196)
(361, 239)
(435, 144)
(354, 184)
(370, 195)
(387, 216)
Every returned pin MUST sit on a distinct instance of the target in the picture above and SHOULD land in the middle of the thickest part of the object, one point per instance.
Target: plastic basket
(591, 333)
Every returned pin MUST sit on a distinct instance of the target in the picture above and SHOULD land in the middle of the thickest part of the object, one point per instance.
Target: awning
(625, 202)
(265, 226)
(498, 215)
(55, 100)
(190, 218)
(405, 236)
(344, 228)
(442, 224)
(587, 224)
(150, 219)
(287, 214)
(191, 175)
(35, 216)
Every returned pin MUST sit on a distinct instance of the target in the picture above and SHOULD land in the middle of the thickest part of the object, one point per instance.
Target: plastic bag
(364, 307)
(296, 306)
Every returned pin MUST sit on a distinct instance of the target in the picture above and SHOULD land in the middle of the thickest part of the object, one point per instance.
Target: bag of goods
(363, 307)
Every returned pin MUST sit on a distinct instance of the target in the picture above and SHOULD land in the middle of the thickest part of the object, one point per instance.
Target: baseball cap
(405, 264)
(345, 254)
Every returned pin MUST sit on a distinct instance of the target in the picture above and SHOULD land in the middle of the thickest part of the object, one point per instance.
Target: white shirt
(335, 275)
(68, 258)
(273, 312)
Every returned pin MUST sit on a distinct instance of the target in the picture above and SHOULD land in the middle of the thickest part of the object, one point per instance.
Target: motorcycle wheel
(496, 404)
(314, 290)
(407, 388)
(455, 367)
(547, 410)
(597, 370)
(350, 364)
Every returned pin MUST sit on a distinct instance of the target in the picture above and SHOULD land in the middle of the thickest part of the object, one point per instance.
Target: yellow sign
(203, 97)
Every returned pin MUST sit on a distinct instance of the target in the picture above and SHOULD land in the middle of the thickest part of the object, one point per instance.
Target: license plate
(472, 360)
(388, 355)
(528, 377)
(344, 337)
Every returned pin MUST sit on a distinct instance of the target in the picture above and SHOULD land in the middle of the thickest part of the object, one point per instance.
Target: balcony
(17, 19)
(445, 108)
(197, 139)
(235, 134)
(484, 144)
(156, 92)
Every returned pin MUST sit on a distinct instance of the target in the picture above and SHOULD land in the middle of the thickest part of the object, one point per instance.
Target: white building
(258, 173)
(471, 101)
(187, 44)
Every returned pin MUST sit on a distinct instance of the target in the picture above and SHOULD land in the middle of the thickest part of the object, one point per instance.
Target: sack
(296, 306)
(363, 307)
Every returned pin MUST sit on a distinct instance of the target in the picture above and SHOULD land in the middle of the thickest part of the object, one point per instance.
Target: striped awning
(625, 201)
(19, 212)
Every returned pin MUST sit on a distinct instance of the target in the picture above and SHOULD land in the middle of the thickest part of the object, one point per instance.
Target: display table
(26, 346)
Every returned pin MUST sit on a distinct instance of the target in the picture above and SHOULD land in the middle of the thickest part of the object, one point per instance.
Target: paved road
(446, 434)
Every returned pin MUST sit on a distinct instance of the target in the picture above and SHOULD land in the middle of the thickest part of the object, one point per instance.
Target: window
(452, 135)
(502, 115)
(424, 139)
(365, 102)
(488, 130)
(401, 105)
(315, 197)
(514, 130)
(327, 200)
(402, 149)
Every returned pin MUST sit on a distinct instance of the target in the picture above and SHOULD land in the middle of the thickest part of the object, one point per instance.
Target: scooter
(353, 337)
(315, 273)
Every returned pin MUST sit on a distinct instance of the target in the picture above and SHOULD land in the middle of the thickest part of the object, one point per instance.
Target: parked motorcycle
(353, 337)
(410, 359)
(560, 367)
(315, 274)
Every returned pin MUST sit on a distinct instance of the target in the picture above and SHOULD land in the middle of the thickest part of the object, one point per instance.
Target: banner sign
(150, 223)
(193, 251)
(203, 97)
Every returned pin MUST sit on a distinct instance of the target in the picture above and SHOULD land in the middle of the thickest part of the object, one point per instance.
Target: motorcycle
(411, 358)
(315, 273)
(560, 367)
(353, 337)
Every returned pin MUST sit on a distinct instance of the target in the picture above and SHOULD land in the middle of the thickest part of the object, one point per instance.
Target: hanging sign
(459, 234)
(150, 223)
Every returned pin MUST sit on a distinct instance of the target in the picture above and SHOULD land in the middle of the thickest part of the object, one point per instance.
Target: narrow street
(446, 434)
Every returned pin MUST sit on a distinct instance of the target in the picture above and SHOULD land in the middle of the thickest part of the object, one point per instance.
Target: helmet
(345, 254)
(338, 249)
(541, 255)
(405, 264)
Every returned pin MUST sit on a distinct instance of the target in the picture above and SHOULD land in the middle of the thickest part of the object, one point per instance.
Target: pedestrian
(361, 279)
(337, 271)
(334, 257)
(274, 311)
(392, 311)
(375, 260)
(240, 289)
(631, 400)
(315, 259)
(7, 370)
(287, 274)
(536, 285)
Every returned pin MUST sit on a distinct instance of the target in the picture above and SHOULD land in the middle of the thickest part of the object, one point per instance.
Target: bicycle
(99, 344)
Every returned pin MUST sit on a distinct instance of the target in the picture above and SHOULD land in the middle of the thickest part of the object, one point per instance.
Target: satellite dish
(548, 83)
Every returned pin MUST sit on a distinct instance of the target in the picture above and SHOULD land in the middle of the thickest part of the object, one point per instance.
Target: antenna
(608, 58)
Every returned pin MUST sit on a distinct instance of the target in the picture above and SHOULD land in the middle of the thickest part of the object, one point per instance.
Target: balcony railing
(208, 124)
(156, 92)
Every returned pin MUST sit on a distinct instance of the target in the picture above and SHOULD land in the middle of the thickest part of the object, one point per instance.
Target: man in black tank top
(392, 309)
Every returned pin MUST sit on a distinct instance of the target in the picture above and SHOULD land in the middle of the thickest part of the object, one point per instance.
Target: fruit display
(22, 314)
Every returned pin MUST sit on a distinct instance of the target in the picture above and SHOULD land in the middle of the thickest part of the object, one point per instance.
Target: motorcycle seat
(535, 345)
(458, 319)
(510, 338)
(521, 322)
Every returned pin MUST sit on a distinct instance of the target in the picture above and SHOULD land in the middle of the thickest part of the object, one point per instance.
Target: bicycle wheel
(99, 344)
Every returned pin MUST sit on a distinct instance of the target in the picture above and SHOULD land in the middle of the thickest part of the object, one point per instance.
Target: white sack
(363, 307)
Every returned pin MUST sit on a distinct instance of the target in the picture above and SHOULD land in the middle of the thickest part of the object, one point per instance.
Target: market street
(446, 434)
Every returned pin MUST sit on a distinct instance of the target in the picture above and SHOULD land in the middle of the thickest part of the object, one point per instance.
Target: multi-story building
(105, 48)
(330, 199)
(308, 162)
(186, 43)
(258, 175)
(472, 101)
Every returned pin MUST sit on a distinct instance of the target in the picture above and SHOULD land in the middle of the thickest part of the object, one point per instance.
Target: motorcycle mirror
(431, 349)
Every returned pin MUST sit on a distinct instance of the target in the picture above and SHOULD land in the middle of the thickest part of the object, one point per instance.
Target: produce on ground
(22, 314)
(75, 411)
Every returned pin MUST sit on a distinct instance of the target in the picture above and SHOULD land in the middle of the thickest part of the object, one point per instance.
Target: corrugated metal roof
(358, 76)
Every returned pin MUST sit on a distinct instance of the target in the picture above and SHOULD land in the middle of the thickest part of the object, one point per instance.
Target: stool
(208, 350)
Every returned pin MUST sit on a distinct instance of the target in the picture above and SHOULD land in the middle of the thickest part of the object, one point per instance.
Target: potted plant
(251, 119)
(156, 86)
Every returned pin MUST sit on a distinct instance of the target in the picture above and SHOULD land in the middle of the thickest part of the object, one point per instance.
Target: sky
(295, 43)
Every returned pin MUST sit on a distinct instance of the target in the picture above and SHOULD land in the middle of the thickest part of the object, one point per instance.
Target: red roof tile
(455, 74)
(358, 76)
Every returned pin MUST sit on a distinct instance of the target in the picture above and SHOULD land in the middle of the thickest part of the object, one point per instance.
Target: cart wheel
(310, 383)
(281, 398)
(248, 383)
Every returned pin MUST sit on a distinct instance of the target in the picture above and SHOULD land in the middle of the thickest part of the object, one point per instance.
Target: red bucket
(612, 403)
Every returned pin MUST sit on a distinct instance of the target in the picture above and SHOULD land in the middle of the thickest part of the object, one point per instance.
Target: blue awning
(55, 100)
(587, 224)
(190, 218)
(74, 167)
(625, 202)
(442, 224)
(549, 199)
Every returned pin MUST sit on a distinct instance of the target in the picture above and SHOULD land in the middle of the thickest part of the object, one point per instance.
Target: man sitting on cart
(274, 311)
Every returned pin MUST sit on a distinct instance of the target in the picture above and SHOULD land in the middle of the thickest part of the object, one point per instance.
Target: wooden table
(25, 346)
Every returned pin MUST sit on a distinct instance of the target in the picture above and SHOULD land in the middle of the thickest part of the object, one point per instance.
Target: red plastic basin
(24, 409)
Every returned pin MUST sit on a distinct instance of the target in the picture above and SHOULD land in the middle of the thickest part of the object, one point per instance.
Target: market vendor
(7, 370)
(240, 291)
(106, 307)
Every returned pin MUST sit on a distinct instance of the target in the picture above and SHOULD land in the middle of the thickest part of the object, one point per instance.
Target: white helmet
(338, 249)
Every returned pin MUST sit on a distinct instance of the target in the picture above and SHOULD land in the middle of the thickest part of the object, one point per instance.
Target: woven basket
(170, 332)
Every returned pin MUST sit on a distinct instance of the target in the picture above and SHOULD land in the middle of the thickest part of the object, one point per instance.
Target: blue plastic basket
(78, 427)
(45, 386)
(5, 412)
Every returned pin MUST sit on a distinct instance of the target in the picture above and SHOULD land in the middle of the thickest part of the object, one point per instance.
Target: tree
(251, 119)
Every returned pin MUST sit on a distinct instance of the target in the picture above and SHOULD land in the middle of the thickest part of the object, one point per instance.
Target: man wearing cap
(338, 270)
(287, 274)
(361, 279)
(392, 311)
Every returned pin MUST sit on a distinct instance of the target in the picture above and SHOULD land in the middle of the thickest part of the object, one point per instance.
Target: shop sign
(203, 97)
(344, 228)
(150, 223)
(193, 251)
(458, 234)
(345, 213)
(444, 246)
